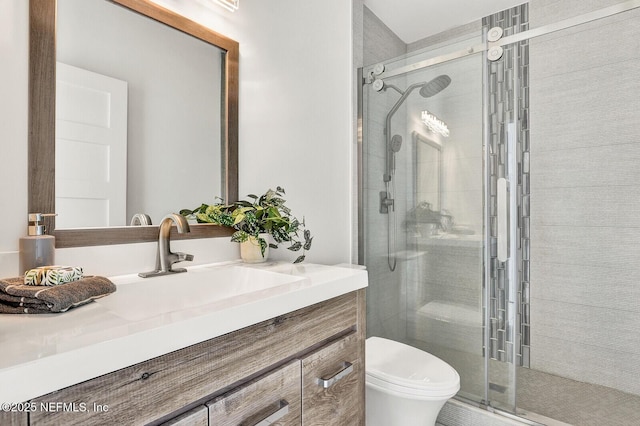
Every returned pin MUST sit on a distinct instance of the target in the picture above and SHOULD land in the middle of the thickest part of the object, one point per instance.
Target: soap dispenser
(36, 249)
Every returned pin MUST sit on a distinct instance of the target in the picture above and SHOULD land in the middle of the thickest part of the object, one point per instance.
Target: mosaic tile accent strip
(509, 104)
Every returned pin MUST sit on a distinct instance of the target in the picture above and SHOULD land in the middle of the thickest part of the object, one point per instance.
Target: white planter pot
(250, 250)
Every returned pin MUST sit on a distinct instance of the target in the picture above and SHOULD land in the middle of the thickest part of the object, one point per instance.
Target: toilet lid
(409, 369)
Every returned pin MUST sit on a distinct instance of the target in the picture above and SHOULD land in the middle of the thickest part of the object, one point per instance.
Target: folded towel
(7, 309)
(8, 299)
(52, 275)
(16, 297)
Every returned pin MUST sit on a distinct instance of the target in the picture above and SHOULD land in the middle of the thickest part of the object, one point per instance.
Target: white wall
(295, 117)
(296, 109)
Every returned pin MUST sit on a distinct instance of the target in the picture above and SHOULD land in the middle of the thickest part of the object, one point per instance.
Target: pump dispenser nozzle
(35, 225)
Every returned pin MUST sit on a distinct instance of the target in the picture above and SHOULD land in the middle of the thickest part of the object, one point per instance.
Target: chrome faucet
(165, 257)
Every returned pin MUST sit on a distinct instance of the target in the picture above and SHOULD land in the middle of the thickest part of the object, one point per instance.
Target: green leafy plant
(262, 214)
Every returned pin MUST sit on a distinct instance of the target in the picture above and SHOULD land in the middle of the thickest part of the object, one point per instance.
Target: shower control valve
(385, 202)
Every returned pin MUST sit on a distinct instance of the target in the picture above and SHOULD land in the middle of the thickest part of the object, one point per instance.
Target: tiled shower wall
(585, 238)
(386, 301)
(508, 108)
(380, 43)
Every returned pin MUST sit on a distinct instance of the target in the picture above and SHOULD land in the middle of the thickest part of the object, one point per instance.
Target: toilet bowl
(404, 385)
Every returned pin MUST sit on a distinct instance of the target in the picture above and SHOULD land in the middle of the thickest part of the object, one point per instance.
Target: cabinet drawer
(273, 399)
(332, 383)
(196, 417)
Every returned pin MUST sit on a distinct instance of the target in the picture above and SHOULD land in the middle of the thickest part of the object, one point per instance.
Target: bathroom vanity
(291, 354)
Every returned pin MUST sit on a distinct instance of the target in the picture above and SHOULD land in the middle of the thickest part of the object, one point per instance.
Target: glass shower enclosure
(424, 189)
(447, 226)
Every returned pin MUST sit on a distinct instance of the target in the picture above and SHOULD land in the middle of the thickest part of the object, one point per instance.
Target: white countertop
(44, 353)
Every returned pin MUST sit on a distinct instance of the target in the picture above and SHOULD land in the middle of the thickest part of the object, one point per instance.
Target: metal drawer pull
(283, 410)
(348, 368)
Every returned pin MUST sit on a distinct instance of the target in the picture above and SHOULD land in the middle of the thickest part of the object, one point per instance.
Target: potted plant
(265, 214)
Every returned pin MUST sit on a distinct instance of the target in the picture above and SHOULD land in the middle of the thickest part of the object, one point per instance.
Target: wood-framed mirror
(42, 124)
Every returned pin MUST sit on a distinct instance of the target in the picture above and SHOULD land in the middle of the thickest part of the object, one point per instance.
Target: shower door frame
(525, 35)
(368, 79)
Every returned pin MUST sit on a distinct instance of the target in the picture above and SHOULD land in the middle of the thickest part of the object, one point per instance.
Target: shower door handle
(503, 219)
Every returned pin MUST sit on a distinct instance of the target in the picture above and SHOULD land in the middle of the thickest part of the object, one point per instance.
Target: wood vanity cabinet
(9, 418)
(198, 416)
(305, 367)
(274, 398)
(321, 388)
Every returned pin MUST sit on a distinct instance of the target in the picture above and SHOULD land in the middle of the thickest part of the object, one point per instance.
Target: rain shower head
(427, 89)
(435, 86)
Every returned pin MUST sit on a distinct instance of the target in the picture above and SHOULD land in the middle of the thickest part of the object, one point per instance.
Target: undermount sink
(213, 287)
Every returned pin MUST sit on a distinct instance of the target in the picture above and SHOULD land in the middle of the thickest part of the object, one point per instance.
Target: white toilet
(404, 385)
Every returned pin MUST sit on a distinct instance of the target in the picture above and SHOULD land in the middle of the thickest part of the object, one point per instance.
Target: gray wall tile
(590, 285)
(585, 363)
(608, 329)
(585, 152)
(544, 12)
(380, 43)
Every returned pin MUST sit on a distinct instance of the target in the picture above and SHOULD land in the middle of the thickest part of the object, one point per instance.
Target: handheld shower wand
(393, 145)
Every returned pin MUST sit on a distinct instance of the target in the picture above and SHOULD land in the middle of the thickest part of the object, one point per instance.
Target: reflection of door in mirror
(174, 103)
(91, 149)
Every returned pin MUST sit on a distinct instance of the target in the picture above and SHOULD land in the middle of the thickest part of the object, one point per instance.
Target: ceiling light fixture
(435, 124)
(231, 5)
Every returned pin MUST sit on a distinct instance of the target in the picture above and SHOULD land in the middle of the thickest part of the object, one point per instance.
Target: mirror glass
(137, 117)
(145, 120)
(428, 157)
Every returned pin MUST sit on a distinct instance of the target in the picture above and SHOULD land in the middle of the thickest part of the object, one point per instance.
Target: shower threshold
(460, 410)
